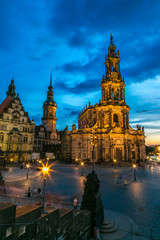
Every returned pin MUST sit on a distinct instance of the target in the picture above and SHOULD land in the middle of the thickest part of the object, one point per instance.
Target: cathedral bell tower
(112, 85)
(113, 88)
(49, 112)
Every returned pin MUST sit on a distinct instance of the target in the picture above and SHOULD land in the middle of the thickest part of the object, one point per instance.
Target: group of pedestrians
(34, 192)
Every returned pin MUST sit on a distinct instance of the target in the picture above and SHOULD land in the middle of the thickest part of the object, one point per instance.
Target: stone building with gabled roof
(107, 122)
(16, 128)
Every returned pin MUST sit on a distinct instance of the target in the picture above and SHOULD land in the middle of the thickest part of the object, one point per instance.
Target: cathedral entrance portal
(118, 154)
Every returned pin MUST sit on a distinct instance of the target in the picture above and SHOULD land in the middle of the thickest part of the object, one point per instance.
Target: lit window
(115, 118)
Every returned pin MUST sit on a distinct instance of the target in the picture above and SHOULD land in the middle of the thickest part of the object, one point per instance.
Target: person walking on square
(39, 192)
(35, 192)
(75, 202)
(29, 191)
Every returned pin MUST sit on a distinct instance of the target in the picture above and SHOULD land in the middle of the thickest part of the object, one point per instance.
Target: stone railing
(22, 201)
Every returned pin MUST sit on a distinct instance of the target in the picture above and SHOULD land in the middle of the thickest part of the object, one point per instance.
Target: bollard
(131, 227)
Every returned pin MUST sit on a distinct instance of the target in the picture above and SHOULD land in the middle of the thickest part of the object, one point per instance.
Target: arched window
(133, 154)
(115, 118)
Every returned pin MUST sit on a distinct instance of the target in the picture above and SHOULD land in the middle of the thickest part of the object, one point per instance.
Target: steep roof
(5, 104)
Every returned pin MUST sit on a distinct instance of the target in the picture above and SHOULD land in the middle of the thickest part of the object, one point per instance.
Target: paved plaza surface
(139, 200)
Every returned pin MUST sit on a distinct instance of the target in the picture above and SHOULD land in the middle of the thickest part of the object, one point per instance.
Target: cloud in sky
(72, 38)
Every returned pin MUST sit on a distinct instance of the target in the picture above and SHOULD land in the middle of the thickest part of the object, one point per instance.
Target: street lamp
(82, 165)
(93, 142)
(134, 171)
(47, 159)
(76, 161)
(45, 171)
(27, 167)
(115, 163)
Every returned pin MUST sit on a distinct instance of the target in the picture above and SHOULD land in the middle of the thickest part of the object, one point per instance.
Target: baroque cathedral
(107, 123)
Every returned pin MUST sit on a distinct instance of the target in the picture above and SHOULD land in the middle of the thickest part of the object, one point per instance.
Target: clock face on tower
(50, 112)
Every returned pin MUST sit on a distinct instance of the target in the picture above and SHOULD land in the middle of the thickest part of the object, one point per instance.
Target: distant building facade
(46, 133)
(107, 122)
(16, 129)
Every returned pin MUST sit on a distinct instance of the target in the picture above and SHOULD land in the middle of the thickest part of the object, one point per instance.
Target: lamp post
(45, 170)
(93, 141)
(82, 165)
(76, 161)
(115, 163)
(47, 159)
(27, 167)
(134, 171)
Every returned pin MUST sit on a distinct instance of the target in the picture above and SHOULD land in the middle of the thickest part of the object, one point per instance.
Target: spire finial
(51, 78)
(112, 47)
(111, 38)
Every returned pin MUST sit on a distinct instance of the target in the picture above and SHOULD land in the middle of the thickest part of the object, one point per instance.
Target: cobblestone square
(139, 200)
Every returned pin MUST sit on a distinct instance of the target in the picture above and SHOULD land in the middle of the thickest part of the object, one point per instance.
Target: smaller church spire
(50, 88)
(111, 38)
(51, 78)
(11, 89)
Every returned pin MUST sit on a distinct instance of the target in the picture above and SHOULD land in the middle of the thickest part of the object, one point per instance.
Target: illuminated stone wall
(16, 130)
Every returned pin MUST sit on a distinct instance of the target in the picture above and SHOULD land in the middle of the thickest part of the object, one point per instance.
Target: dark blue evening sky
(72, 37)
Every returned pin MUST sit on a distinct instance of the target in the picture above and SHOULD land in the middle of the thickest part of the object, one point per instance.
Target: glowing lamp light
(45, 170)
(27, 166)
(115, 160)
(82, 163)
(134, 166)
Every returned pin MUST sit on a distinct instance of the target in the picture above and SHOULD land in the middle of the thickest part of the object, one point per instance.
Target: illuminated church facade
(108, 121)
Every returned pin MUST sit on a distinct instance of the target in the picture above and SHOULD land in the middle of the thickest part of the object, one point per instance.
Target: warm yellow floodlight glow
(27, 166)
(45, 170)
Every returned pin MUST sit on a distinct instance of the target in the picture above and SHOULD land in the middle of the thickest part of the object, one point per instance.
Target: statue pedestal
(92, 201)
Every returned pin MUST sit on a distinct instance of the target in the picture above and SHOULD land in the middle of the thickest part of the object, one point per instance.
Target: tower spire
(51, 78)
(50, 88)
(11, 89)
(112, 47)
(111, 38)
